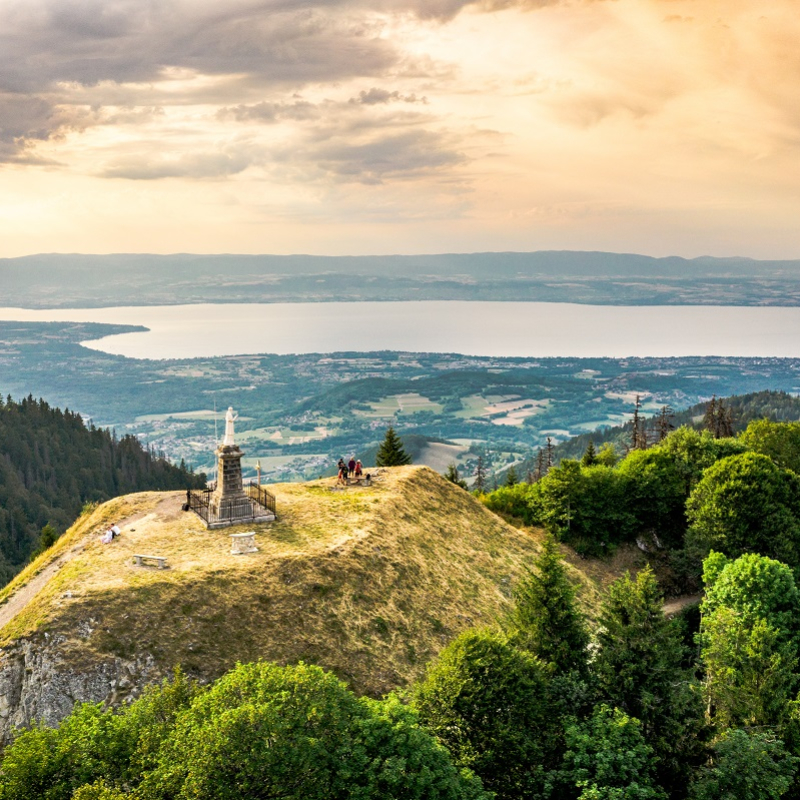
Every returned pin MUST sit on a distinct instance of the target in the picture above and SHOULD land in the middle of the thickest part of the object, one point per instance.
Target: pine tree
(640, 670)
(638, 432)
(540, 468)
(664, 423)
(391, 452)
(589, 457)
(480, 476)
(545, 620)
(710, 417)
(453, 476)
(511, 477)
(549, 460)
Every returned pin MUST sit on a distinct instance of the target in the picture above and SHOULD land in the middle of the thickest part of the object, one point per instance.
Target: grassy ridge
(370, 583)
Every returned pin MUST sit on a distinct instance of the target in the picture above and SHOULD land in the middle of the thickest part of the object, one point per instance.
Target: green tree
(756, 586)
(639, 667)
(584, 507)
(695, 451)
(94, 744)
(50, 764)
(607, 758)
(453, 476)
(391, 452)
(749, 671)
(486, 701)
(511, 477)
(749, 641)
(746, 766)
(607, 455)
(480, 475)
(589, 456)
(545, 619)
(746, 503)
(655, 493)
(778, 440)
(49, 536)
(297, 733)
(100, 790)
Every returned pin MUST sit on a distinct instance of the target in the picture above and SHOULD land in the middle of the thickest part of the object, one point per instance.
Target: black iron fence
(261, 496)
(258, 503)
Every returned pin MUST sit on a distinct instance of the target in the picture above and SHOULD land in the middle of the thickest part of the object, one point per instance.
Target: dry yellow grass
(367, 582)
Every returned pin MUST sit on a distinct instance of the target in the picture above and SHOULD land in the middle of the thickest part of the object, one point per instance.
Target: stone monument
(230, 503)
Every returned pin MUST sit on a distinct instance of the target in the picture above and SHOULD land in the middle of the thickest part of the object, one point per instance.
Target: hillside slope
(51, 463)
(367, 582)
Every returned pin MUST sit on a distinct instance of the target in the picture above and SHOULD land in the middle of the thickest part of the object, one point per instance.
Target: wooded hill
(743, 409)
(51, 464)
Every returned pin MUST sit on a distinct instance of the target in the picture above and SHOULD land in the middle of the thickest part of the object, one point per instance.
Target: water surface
(473, 328)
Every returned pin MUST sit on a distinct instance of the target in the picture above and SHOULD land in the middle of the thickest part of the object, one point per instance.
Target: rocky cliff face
(38, 684)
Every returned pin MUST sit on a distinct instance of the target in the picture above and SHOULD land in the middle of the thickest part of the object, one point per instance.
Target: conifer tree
(511, 477)
(640, 670)
(718, 418)
(710, 417)
(453, 476)
(480, 476)
(664, 423)
(540, 468)
(549, 459)
(545, 620)
(638, 432)
(391, 452)
(589, 457)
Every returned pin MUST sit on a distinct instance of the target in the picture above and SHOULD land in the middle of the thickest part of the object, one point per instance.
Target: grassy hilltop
(368, 582)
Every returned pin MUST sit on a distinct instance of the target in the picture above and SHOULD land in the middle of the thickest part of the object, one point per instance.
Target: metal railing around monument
(258, 503)
(261, 496)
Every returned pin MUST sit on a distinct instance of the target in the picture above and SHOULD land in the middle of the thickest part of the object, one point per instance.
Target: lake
(472, 328)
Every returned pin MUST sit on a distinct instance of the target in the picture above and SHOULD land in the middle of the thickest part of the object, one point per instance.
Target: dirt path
(167, 507)
(677, 604)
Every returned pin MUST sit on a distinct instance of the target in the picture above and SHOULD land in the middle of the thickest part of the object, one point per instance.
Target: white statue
(230, 417)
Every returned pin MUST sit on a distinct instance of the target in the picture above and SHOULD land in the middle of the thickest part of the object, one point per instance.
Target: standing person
(342, 471)
(351, 466)
(358, 469)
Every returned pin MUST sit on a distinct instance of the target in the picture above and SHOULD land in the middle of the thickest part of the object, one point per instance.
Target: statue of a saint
(230, 417)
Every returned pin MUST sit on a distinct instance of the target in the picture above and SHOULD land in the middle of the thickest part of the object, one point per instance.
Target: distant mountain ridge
(64, 280)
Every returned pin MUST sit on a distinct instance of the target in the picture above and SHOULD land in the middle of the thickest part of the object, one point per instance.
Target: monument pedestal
(229, 494)
(229, 503)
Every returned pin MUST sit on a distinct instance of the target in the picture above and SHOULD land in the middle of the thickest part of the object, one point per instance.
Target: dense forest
(545, 706)
(694, 491)
(51, 464)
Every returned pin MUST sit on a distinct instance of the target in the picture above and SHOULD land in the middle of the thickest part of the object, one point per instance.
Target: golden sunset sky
(400, 126)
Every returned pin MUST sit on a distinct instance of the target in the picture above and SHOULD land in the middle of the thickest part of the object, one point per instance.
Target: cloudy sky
(400, 126)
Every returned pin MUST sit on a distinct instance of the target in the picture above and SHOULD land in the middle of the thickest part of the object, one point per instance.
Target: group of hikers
(349, 469)
(110, 534)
